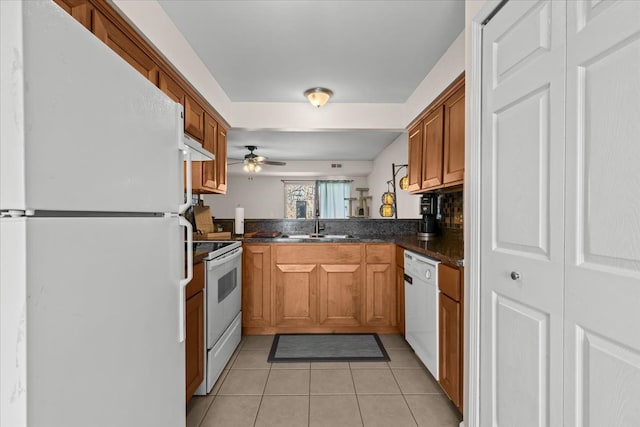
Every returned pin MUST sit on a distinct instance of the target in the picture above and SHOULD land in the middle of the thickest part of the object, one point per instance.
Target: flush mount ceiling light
(318, 96)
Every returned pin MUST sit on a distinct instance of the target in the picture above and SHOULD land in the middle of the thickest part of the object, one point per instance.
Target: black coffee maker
(428, 210)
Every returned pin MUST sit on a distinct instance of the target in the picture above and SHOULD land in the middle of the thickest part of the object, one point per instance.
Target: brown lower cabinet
(451, 332)
(194, 339)
(319, 287)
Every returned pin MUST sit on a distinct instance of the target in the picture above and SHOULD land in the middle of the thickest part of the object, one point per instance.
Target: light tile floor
(254, 393)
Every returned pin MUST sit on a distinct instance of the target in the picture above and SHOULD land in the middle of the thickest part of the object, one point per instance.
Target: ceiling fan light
(257, 168)
(318, 96)
(246, 167)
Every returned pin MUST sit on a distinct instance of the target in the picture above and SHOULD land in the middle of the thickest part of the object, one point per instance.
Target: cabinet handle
(515, 275)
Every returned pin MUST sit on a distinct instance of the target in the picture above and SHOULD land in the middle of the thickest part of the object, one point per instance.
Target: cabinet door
(209, 169)
(433, 127)
(415, 158)
(80, 10)
(121, 44)
(193, 119)
(221, 160)
(453, 165)
(340, 290)
(256, 285)
(449, 348)
(172, 89)
(380, 307)
(380, 281)
(194, 343)
(296, 295)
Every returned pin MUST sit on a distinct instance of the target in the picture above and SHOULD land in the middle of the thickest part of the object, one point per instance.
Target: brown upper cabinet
(432, 139)
(193, 119)
(121, 44)
(436, 142)
(221, 161)
(80, 10)
(453, 165)
(201, 121)
(172, 89)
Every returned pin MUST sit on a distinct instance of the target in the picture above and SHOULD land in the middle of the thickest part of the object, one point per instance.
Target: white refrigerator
(92, 247)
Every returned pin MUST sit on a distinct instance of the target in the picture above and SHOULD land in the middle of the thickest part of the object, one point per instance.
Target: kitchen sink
(318, 236)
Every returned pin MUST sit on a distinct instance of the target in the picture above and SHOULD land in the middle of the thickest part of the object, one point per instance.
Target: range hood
(198, 153)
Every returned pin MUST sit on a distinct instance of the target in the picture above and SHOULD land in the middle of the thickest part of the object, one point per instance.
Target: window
(299, 199)
(333, 198)
(330, 197)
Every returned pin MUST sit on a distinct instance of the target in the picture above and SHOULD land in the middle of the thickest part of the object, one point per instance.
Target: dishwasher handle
(408, 279)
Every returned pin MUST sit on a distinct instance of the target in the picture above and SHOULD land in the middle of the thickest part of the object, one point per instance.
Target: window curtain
(331, 198)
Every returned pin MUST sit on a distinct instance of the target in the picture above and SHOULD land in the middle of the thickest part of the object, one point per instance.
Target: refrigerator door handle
(186, 153)
(184, 282)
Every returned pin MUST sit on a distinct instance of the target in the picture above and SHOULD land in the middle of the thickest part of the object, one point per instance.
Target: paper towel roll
(239, 224)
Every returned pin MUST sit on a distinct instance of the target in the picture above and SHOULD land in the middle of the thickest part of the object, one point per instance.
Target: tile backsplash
(451, 213)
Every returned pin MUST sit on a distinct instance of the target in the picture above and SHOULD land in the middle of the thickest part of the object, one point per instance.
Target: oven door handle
(211, 264)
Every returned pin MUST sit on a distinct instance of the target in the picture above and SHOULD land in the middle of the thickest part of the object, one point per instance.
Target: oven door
(224, 289)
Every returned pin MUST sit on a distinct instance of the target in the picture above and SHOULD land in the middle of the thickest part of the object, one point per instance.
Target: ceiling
(272, 51)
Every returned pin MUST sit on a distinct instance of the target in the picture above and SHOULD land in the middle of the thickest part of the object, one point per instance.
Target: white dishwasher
(421, 308)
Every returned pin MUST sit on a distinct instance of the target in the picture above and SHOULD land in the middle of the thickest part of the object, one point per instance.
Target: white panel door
(602, 288)
(522, 215)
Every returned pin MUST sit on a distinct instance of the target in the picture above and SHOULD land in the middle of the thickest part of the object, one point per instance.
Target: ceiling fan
(252, 162)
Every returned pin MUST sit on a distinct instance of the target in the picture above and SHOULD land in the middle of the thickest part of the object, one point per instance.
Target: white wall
(149, 17)
(261, 196)
(408, 204)
(160, 31)
(449, 66)
(446, 70)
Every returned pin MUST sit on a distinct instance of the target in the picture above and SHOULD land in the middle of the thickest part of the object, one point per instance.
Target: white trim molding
(472, 204)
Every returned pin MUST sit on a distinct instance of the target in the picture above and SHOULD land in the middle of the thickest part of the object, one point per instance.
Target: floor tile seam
(332, 394)
(309, 401)
(379, 393)
(204, 415)
(404, 398)
(264, 388)
(251, 369)
(353, 382)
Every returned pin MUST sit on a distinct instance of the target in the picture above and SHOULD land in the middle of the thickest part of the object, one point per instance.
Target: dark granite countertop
(447, 248)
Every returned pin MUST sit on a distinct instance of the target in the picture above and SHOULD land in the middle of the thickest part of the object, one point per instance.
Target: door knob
(515, 275)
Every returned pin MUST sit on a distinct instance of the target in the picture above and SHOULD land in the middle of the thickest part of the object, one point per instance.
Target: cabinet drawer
(197, 283)
(318, 253)
(379, 253)
(449, 281)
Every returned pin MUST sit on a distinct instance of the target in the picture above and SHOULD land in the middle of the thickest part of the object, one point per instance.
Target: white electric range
(223, 305)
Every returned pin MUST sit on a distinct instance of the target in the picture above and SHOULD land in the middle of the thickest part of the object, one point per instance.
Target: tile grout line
(404, 398)
(215, 396)
(255, 420)
(357, 396)
(309, 404)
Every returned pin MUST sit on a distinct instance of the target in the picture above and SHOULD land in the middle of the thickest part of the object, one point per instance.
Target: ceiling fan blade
(273, 163)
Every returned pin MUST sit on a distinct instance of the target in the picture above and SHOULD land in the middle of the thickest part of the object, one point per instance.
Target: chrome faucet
(317, 227)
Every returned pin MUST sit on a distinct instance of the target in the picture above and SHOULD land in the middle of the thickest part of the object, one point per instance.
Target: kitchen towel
(239, 224)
